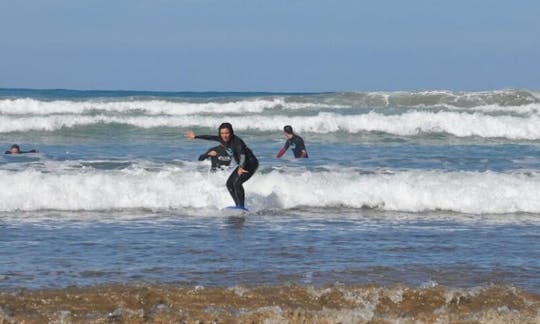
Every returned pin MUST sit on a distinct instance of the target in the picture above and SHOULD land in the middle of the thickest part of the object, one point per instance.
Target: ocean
(424, 191)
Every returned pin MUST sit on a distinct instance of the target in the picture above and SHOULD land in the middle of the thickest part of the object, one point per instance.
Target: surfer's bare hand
(212, 153)
(242, 171)
(189, 134)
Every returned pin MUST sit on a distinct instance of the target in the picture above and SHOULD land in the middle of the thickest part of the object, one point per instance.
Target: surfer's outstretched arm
(191, 135)
(209, 137)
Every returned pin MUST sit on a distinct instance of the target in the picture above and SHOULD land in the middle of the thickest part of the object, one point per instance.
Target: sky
(272, 45)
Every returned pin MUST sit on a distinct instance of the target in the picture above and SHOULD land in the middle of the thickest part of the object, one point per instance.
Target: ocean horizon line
(164, 93)
(267, 92)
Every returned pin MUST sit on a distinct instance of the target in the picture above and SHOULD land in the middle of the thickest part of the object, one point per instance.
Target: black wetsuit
(21, 152)
(297, 146)
(245, 159)
(222, 158)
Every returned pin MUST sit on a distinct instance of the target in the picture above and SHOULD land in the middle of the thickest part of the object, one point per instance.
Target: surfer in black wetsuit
(15, 149)
(235, 147)
(295, 142)
(218, 156)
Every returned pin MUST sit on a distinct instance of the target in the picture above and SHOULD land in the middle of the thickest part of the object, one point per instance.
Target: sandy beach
(272, 304)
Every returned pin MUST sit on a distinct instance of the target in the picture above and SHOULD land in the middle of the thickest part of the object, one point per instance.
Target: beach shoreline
(157, 303)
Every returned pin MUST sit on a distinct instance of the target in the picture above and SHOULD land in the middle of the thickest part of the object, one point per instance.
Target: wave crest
(408, 124)
(411, 191)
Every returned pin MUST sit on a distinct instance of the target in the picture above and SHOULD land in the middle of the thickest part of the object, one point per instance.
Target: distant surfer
(218, 156)
(235, 147)
(15, 149)
(295, 142)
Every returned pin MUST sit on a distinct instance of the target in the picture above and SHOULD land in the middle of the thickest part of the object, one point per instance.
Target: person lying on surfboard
(235, 147)
(218, 156)
(15, 149)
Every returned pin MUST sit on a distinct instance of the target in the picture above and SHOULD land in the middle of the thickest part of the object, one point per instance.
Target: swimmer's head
(288, 131)
(15, 149)
(226, 132)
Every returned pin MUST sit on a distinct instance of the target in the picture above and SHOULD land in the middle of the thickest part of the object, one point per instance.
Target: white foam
(177, 188)
(525, 110)
(27, 106)
(498, 100)
(414, 191)
(94, 190)
(411, 123)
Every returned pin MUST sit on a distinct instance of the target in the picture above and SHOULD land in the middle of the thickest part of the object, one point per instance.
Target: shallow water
(270, 247)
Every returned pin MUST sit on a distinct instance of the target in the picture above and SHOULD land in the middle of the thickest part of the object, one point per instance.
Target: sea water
(412, 188)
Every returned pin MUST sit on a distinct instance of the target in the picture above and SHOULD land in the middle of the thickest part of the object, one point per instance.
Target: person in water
(15, 149)
(235, 147)
(295, 142)
(218, 156)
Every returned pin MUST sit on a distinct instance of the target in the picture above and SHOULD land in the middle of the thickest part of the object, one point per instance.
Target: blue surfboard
(236, 208)
(234, 211)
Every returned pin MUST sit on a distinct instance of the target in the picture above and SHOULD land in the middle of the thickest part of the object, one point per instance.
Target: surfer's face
(288, 135)
(225, 134)
(14, 150)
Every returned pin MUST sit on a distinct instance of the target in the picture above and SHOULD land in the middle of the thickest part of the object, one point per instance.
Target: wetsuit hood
(227, 126)
(288, 129)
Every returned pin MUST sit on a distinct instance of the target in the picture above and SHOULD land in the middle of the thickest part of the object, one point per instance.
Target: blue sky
(273, 45)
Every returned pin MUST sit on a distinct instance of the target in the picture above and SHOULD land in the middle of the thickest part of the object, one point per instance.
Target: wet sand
(275, 304)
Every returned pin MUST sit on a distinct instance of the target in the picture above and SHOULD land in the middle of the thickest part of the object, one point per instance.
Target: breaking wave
(407, 124)
(177, 188)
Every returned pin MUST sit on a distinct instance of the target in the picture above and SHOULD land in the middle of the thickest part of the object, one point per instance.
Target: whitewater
(412, 191)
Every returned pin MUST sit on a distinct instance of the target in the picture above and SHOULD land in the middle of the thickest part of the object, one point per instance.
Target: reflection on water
(236, 222)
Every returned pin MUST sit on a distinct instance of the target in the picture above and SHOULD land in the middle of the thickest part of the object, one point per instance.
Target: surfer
(295, 142)
(235, 147)
(15, 149)
(218, 156)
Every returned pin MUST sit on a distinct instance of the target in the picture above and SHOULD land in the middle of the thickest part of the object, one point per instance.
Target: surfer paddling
(15, 149)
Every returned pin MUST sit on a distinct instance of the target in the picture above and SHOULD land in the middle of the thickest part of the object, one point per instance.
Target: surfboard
(234, 211)
(236, 208)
